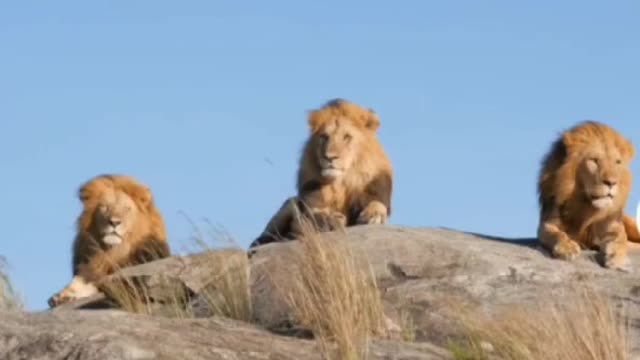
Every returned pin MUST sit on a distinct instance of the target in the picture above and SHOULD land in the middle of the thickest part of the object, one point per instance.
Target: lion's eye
(347, 137)
(592, 164)
(324, 138)
(103, 207)
(619, 161)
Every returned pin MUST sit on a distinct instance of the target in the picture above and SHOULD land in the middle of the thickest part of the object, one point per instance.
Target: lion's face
(114, 208)
(337, 145)
(115, 216)
(603, 174)
(340, 131)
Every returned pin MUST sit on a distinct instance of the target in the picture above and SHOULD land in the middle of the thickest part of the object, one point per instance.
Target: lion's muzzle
(605, 194)
(113, 232)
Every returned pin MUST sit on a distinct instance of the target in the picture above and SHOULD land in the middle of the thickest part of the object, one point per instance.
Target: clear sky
(206, 102)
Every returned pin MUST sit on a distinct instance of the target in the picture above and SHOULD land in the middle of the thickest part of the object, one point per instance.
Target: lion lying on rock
(119, 226)
(583, 189)
(345, 177)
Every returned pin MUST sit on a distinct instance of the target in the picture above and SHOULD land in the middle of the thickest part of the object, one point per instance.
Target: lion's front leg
(558, 242)
(77, 289)
(376, 200)
(279, 227)
(613, 247)
(374, 213)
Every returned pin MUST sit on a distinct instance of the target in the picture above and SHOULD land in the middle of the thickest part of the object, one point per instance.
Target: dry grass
(334, 294)
(167, 297)
(9, 298)
(126, 295)
(226, 294)
(407, 326)
(581, 325)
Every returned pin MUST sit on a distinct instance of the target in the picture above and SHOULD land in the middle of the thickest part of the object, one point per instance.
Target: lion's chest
(344, 197)
(597, 233)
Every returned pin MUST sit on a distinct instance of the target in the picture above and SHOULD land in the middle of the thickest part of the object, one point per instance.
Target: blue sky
(206, 102)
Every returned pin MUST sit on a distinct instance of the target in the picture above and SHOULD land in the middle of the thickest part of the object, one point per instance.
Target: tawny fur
(144, 242)
(343, 135)
(575, 174)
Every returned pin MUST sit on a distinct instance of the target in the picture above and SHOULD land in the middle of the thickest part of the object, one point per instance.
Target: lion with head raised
(583, 189)
(119, 226)
(345, 177)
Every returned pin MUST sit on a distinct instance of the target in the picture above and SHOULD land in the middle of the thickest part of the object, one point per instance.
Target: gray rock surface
(110, 335)
(420, 272)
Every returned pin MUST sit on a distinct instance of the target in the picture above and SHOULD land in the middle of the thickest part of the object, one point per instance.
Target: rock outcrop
(110, 335)
(420, 272)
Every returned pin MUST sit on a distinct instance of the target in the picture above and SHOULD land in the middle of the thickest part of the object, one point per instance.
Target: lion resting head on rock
(583, 189)
(119, 226)
(345, 177)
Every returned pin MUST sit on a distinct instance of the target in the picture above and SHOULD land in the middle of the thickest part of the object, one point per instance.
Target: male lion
(119, 226)
(583, 189)
(345, 177)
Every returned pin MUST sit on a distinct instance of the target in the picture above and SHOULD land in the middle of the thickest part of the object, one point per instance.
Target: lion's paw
(620, 263)
(330, 222)
(320, 221)
(60, 298)
(374, 213)
(566, 250)
(614, 259)
(339, 220)
(78, 289)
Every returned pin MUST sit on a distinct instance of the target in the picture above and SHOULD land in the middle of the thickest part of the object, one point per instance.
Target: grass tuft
(9, 299)
(408, 327)
(225, 294)
(333, 293)
(581, 325)
(228, 293)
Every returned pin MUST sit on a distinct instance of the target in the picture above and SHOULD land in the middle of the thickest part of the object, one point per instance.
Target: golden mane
(557, 181)
(151, 224)
(361, 117)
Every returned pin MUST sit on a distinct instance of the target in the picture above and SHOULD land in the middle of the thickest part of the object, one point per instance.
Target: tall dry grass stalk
(580, 325)
(333, 293)
(228, 292)
(9, 298)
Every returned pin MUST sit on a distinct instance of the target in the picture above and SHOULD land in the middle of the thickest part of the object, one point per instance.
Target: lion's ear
(85, 193)
(568, 141)
(143, 196)
(91, 189)
(630, 151)
(316, 119)
(372, 121)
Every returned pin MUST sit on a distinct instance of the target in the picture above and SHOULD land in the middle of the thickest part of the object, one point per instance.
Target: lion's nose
(610, 182)
(115, 222)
